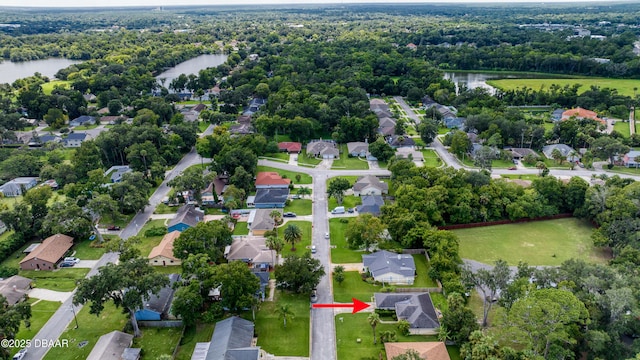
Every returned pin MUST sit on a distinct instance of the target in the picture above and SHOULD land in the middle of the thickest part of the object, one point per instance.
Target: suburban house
(520, 153)
(454, 122)
(115, 172)
(18, 186)
(380, 108)
(271, 198)
(358, 149)
(409, 153)
(397, 141)
(74, 140)
(15, 288)
(263, 277)
(41, 140)
(115, 345)
(241, 129)
(370, 185)
(260, 221)
(629, 159)
(565, 150)
(290, 147)
(83, 120)
(90, 97)
(47, 254)
(475, 147)
(253, 251)
(3, 227)
(162, 254)
(370, 205)
(326, 149)
(217, 187)
(157, 307)
(412, 46)
(271, 180)
(580, 113)
(187, 216)
(190, 115)
(386, 126)
(254, 106)
(232, 339)
(416, 308)
(432, 350)
(390, 268)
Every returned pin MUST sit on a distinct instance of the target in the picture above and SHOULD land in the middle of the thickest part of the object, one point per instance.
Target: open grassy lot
(241, 228)
(158, 341)
(85, 127)
(58, 280)
(538, 243)
(90, 329)
(304, 178)
(350, 327)
(301, 247)
(623, 128)
(520, 176)
(202, 126)
(624, 170)
(354, 287)
(551, 164)
(87, 250)
(172, 269)
(309, 161)
(495, 164)
(422, 269)
(41, 311)
(47, 88)
(273, 337)
(349, 163)
(351, 178)
(148, 243)
(280, 156)
(431, 159)
(624, 86)
(122, 220)
(193, 335)
(340, 252)
(299, 206)
(165, 209)
(348, 202)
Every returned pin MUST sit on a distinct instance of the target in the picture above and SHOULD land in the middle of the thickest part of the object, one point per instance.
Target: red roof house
(581, 113)
(290, 147)
(271, 180)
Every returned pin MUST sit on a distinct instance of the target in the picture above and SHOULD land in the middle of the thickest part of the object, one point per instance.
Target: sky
(120, 3)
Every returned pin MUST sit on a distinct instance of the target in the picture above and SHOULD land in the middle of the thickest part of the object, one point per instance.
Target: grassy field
(304, 178)
(300, 207)
(193, 335)
(349, 163)
(91, 327)
(340, 253)
(85, 251)
(310, 161)
(348, 202)
(59, 280)
(495, 164)
(301, 247)
(158, 341)
(551, 164)
(422, 269)
(148, 243)
(41, 311)
(624, 86)
(164, 209)
(354, 287)
(431, 159)
(47, 88)
(202, 126)
(85, 127)
(623, 128)
(520, 176)
(241, 229)
(273, 337)
(350, 327)
(538, 243)
(277, 156)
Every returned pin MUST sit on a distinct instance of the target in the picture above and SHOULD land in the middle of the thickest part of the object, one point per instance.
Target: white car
(20, 354)
(313, 249)
(74, 260)
(326, 235)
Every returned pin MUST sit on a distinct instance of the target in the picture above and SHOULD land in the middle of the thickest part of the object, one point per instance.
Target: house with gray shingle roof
(112, 346)
(370, 185)
(390, 268)
(370, 205)
(232, 340)
(386, 126)
(252, 250)
(18, 186)
(157, 307)
(564, 149)
(325, 149)
(416, 308)
(260, 221)
(188, 216)
(358, 148)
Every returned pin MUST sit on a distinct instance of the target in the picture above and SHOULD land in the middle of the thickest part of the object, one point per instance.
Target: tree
(557, 156)
(99, 206)
(68, 218)
(238, 285)
(460, 143)
(285, 312)
(480, 347)
(292, 235)
(131, 193)
(490, 283)
(373, 319)
(388, 336)
(11, 316)
(276, 216)
(338, 274)
(187, 303)
(192, 180)
(428, 129)
(299, 274)
(484, 157)
(363, 230)
(304, 191)
(381, 150)
(458, 319)
(205, 238)
(242, 179)
(55, 118)
(337, 188)
(127, 284)
(606, 147)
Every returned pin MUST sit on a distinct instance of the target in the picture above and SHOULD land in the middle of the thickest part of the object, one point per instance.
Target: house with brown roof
(253, 251)
(15, 288)
(290, 147)
(271, 180)
(432, 350)
(48, 254)
(580, 113)
(214, 191)
(260, 221)
(370, 185)
(386, 126)
(115, 345)
(412, 46)
(162, 254)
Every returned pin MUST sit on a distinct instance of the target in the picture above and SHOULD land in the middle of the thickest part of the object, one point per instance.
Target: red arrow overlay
(357, 305)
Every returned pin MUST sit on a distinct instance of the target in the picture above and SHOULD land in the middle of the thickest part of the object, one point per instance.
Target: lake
(474, 80)
(12, 71)
(192, 66)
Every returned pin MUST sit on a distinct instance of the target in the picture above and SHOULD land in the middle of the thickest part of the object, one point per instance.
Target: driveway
(293, 159)
(50, 295)
(87, 264)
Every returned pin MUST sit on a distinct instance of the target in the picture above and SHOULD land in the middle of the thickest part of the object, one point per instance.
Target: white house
(370, 185)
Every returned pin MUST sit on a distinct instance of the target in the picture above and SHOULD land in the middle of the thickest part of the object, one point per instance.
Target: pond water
(192, 66)
(12, 71)
(474, 80)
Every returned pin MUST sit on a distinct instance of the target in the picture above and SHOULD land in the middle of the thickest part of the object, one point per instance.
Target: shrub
(403, 327)
(155, 231)
(6, 271)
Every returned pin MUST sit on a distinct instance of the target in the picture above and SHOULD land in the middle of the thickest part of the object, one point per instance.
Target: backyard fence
(161, 323)
(503, 222)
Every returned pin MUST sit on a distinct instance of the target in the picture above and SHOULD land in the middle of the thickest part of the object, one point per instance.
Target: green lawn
(301, 247)
(623, 128)
(85, 127)
(310, 161)
(349, 163)
(354, 287)
(350, 327)
(304, 178)
(624, 86)
(122, 220)
(495, 164)
(47, 88)
(171, 269)
(88, 250)
(91, 327)
(241, 228)
(340, 252)
(193, 335)
(202, 126)
(431, 159)
(158, 341)
(148, 243)
(551, 164)
(59, 280)
(273, 337)
(282, 138)
(164, 209)
(422, 269)
(41, 311)
(521, 176)
(538, 243)
(348, 202)
(280, 156)
(300, 207)
(624, 170)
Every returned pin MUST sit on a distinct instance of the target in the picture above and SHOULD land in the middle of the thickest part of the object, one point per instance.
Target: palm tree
(292, 234)
(284, 312)
(276, 245)
(374, 320)
(276, 215)
(304, 191)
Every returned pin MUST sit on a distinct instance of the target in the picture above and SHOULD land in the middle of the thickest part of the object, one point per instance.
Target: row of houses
(72, 140)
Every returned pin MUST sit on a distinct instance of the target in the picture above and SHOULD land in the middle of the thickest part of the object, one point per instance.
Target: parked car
(295, 197)
(313, 249)
(314, 295)
(113, 227)
(74, 260)
(338, 210)
(20, 354)
(513, 168)
(350, 210)
(66, 264)
(289, 214)
(326, 235)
